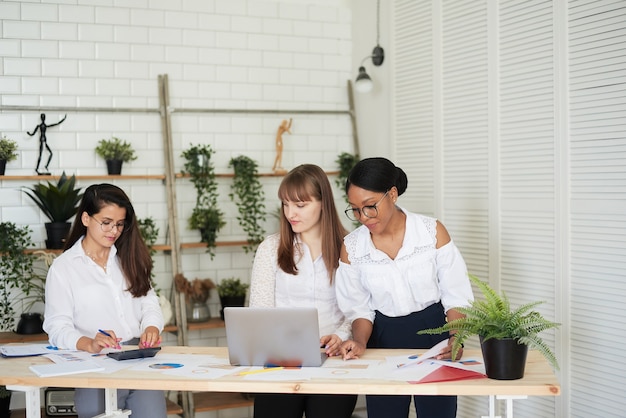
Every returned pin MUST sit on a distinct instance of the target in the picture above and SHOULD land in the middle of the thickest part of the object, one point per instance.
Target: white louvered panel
(412, 101)
(527, 152)
(468, 227)
(464, 100)
(598, 220)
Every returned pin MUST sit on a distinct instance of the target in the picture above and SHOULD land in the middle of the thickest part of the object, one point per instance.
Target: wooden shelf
(213, 401)
(210, 324)
(12, 337)
(91, 177)
(227, 175)
(173, 408)
(217, 244)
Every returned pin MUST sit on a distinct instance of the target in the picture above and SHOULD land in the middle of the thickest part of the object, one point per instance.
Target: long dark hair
(132, 251)
(377, 174)
(303, 183)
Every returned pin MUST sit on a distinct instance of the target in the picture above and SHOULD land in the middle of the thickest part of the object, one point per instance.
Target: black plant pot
(504, 359)
(57, 234)
(30, 323)
(5, 405)
(114, 167)
(227, 301)
(3, 167)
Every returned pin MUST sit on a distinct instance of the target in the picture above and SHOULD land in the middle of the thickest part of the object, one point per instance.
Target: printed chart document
(27, 350)
(426, 369)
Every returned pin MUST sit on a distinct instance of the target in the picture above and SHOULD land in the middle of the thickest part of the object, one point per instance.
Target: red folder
(445, 373)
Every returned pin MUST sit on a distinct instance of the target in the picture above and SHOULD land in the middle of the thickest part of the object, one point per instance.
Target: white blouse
(420, 275)
(311, 287)
(82, 298)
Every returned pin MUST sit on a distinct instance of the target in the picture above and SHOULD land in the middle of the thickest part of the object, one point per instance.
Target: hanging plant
(149, 232)
(206, 216)
(247, 193)
(346, 161)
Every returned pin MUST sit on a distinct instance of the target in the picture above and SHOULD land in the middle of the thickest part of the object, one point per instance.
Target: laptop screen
(287, 337)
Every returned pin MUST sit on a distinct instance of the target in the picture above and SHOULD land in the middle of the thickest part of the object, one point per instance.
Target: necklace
(95, 260)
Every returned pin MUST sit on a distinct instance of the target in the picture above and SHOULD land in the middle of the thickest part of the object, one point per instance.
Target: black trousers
(401, 332)
(280, 405)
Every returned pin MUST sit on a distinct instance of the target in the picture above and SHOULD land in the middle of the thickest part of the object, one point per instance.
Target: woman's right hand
(351, 349)
(99, 341)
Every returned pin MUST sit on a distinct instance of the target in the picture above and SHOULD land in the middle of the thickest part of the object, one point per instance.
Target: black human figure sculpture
(43, 141)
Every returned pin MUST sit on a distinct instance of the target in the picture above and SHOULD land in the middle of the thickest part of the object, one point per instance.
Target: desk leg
(492, 408)
(509, 403)
(33, 399)
(110, 406)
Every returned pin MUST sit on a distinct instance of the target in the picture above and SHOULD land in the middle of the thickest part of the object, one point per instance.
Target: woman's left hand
(151, 337)
(331, 344)
(446, 352)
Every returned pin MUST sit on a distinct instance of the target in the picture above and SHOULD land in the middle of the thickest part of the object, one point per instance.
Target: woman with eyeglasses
(99, 294)
(399, 273)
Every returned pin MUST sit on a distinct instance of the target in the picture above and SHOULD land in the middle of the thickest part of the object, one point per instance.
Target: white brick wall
(245, 54)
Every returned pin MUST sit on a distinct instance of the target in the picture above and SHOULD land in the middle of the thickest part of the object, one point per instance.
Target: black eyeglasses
(369, 211)
(107, 226)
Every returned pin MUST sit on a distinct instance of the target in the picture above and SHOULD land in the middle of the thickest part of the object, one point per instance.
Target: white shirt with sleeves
(82, 298)
(272, 287)
(420, 275)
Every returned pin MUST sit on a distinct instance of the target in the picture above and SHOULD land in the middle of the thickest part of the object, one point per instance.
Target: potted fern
(505, 333)
(7, 153)
(115, 152)
(247, 193)
(206, 216)
(59, 203)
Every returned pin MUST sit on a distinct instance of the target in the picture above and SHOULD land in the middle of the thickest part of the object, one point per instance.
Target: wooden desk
(539, 380)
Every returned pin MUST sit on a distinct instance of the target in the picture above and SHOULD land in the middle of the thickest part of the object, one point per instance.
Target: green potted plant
(5, 401)
(59, 203)
(7, 153)
(232, 292)
(346, 161)
(247, 193)
(206, 216)
(197, 292)
(115, 152)
(505, 333)
(149, 232)
(18, 279)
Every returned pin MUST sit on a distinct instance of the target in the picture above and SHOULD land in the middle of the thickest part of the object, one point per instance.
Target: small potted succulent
(115, 152)
(7, 153)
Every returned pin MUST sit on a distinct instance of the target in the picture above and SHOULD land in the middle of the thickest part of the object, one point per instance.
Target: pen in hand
(103, 332)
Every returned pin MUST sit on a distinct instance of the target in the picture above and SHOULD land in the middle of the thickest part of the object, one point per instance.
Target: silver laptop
(287, 337)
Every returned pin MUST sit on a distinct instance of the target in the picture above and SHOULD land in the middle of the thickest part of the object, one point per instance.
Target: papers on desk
(426, 369)
(27, 350)
(60, 369)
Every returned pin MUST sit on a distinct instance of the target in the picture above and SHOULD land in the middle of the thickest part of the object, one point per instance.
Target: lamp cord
(378, 22)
